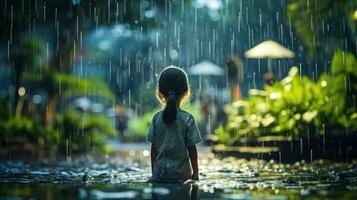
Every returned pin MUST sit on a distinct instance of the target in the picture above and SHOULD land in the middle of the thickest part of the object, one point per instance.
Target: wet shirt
(171, 140)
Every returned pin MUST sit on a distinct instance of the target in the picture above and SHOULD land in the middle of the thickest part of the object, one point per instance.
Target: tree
(324, 25)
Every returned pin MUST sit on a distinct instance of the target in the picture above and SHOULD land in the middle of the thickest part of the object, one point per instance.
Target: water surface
(125, 175)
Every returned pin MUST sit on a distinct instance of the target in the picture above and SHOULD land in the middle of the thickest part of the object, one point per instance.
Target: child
(173, 133)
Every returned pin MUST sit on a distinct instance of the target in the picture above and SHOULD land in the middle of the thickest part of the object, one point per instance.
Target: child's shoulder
(156, 114)
(185, 113)
(180, 114)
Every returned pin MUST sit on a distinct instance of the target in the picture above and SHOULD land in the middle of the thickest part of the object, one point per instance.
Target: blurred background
(79, 75)
(273, 91)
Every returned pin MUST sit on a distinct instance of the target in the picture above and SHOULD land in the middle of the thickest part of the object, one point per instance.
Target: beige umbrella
(206, 68)
(269, 49)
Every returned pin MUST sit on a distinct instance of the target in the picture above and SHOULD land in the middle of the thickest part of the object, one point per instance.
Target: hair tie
(171, 93)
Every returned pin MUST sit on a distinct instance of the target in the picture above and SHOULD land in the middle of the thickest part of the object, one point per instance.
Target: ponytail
(172, 87)
(170, 111)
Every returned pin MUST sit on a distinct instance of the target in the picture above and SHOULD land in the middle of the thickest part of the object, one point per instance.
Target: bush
(81, 132)
(26, 130)
(297, 106)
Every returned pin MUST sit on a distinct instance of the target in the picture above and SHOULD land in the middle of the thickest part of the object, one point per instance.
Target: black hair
(172, 87)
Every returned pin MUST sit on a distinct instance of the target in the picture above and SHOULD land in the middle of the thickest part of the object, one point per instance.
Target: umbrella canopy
(269, 49)
(206, 68)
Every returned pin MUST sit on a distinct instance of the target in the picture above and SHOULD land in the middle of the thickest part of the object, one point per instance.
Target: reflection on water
(126, 177)
(98, 191)
(167, 191)
(174, 191)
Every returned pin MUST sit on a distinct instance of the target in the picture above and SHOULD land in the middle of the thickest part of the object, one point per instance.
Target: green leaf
(343, 62)
(309, 116)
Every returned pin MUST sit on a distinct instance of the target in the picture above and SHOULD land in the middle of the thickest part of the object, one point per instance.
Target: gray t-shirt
(171, 140)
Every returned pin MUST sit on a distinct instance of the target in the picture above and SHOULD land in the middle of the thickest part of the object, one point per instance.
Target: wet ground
(125, 173)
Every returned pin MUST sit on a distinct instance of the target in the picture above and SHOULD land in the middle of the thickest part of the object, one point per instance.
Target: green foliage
(324, 25)
(82, 131)
(31, 49)
(79, 131)
(344, 91)
(54, 82)
(194, 109)
(139, 126)
(26, 130)
(296, 105)
(4, 114)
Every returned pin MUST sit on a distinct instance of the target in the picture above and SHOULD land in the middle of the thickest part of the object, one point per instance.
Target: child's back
(173, 133)
(172, 158)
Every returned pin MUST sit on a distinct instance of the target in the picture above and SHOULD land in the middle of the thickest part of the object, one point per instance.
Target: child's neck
(178, 103)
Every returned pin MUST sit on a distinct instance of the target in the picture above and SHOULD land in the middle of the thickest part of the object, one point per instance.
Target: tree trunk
(51, 109)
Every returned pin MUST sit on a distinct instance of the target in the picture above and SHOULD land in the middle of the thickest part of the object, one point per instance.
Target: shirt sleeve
(193, 134)
(151, 133)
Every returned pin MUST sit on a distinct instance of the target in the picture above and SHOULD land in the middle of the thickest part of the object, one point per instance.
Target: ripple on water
(227, 178)
(97, 194)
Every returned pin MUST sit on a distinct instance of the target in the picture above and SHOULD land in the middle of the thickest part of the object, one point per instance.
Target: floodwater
(124, 174)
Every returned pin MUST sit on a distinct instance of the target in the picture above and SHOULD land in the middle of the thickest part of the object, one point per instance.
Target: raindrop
(311, 158)
(301, 147)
